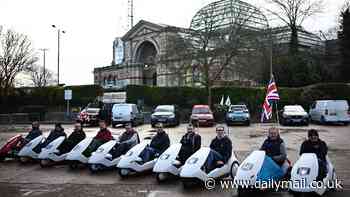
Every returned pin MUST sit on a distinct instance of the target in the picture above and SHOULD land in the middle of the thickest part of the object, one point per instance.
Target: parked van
(330, 111)
(126, 113)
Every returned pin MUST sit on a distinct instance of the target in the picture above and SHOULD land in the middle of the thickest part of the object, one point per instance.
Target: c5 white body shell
(305, 172)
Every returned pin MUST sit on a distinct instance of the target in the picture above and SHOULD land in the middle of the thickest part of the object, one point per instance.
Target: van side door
(312, 111)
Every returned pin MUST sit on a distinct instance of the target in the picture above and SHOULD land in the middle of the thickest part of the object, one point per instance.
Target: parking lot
(31, 180)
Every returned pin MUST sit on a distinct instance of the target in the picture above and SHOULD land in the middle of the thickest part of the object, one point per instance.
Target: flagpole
(271, 74)
(277, 115)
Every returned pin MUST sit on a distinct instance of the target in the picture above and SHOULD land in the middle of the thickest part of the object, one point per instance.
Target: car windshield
(123, 108)
(237, 108)
(163, 109)
(93, 105)
(294, 109)
(201, 110)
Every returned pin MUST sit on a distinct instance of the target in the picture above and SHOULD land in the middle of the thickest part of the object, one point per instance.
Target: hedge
(48, 97)
(185, 97)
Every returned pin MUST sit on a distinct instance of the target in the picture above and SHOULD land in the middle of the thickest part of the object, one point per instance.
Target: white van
(330, 111)
(126, 113)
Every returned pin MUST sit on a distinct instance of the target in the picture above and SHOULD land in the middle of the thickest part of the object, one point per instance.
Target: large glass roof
(227, 13)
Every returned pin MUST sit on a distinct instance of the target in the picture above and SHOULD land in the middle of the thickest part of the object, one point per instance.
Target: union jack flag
(271, 96)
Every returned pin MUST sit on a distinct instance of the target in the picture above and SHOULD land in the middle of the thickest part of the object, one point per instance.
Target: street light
(59, 31)
(44, 64)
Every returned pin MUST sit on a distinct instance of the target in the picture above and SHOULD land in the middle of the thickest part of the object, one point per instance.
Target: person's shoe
(177, 163)
(109, 157)
(139, 160)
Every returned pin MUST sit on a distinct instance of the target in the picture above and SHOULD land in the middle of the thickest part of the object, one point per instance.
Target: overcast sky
(92, 25)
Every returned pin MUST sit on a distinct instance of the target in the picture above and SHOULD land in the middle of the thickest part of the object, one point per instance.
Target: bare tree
(16, 55)
(40, 77)
(293, 13)
(220, 43)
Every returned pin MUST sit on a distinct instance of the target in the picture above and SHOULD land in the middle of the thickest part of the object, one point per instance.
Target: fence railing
(27, 118)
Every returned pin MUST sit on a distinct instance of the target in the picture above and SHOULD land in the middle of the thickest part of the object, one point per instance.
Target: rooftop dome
(227, 13)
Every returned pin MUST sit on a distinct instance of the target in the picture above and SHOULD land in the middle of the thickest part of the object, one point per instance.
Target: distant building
(137, 54)
(306, 40)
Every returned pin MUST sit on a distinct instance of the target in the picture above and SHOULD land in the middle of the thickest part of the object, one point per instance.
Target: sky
(92, 25)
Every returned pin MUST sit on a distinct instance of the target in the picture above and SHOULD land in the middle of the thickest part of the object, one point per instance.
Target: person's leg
(181, 156)
(213, 157)
(322, 169)
(153, 154)
(148, 154)
(143, 154)
(285, 167)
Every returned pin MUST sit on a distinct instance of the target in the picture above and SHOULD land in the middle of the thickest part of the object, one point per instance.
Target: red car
(202, 115)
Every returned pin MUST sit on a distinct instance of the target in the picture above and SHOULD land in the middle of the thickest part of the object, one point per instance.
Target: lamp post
(59, 31)
(44, 63)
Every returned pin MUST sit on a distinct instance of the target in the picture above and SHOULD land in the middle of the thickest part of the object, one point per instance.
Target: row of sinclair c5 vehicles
(187, 159)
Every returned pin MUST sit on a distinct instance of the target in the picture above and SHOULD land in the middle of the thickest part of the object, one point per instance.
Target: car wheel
(161, 177)
(322, 121)
(44, 163)
(247, 123)
(234, 168)
(113, 125)
(346, 123)
(94, 168)
(188, 184)
(241, 192)
(123, 173)
(24, 160)
(74, 165)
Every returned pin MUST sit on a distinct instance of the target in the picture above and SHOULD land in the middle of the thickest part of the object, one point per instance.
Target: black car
(166, 114)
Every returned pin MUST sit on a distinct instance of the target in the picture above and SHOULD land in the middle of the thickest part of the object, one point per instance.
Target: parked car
(294, 114)
(90, 114)
(238, 114)
(330, 111)
(202, 115)
(166, 114)
(126, 113)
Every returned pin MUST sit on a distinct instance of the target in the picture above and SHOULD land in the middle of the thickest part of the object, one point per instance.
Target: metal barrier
(27, 118)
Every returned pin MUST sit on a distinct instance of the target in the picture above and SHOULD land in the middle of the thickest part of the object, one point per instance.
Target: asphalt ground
(31, 180)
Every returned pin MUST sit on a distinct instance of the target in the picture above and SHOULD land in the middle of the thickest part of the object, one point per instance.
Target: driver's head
(220, 131)
(128, 127)
(313, 135)
(159, 127)
(102, 124)
(35, 125)
(274, 133)
(58, 127)
(77, 126)
(190, 128)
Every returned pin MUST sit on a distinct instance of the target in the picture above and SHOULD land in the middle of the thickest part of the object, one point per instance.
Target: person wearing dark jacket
(315, 145)
(274, 147)
(160, 142)
(190, 143)
(74, 138)
(34, 133)
(102, 136)
(126, 141)
(54, 134)
(221, 149)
